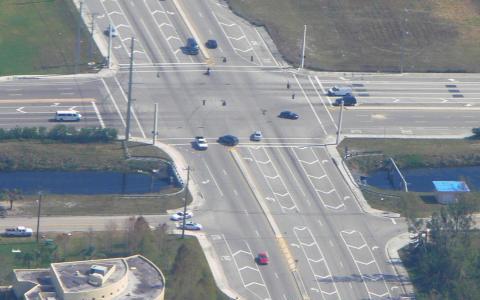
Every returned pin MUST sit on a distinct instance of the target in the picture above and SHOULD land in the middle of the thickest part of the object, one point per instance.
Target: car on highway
(191, 47)
(19, 231)
(67, 115)
(211, 44)
(190, 226)
(288, 115)
(179, 215)
(256, 136)
(201, 143)
(228, 140)
(113, 29)
(339, 91)
(262, 258)
(348, 100)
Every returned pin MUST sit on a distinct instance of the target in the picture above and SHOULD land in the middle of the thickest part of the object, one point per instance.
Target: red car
(262, 258)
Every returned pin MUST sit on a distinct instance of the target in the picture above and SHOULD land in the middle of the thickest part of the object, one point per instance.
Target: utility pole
(404, 36)
(79, 32)
(109, 45)
(38, 214)
(303, 48)
(340, 123)
(129, 107)
(185, 204)
(154, 132)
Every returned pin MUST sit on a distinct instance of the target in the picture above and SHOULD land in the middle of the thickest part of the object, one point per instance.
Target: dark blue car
(228, 140)
(288, 115)
(211, 44)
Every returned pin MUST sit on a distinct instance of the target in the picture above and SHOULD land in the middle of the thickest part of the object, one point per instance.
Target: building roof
(450, 186)
(144, 279)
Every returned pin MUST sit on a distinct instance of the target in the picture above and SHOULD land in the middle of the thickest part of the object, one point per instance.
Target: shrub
(61, 133)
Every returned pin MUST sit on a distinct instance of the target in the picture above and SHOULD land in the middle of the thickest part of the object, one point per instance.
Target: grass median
(372, 35)
(39, 37)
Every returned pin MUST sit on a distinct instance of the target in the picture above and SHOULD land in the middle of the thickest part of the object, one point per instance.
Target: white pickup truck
(20, 231)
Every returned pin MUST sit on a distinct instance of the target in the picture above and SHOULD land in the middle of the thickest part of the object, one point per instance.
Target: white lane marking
(114, 102)
(99, 116)
(393, 221)
(152, 38)
(266, 47)
(213, 178)
(14, 94)
(320, 260)
(138, 43)
(310, 104)
(224, 172)
(67, 94)
(162, 33)
(291, 172)
(235, 192)
(246, 285)
(275, 194)
(321, 99)
(257, 233)
(132, 110)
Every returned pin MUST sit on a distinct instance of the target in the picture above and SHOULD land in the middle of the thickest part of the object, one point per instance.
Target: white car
(113, 29)
(190, 226)
(179, 216)
(256, 136)
(201, 143)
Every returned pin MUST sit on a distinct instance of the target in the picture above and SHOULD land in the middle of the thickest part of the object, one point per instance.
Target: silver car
(256, 136)
(190, 226)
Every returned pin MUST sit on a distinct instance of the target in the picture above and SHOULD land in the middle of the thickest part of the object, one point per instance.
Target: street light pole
(109, 58)
(129, 106)
(303, 48)
(154, 132)
(185, 204)
(38, 214)
(340, 123)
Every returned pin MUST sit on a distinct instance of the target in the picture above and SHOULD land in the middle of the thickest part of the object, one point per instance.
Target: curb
(191, 28)
(197, 201)
(391, 251)
(357, 193)
(215, 267)
(282, 243)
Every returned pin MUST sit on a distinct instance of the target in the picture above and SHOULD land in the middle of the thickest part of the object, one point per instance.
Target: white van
(340, 91)
(67, 115)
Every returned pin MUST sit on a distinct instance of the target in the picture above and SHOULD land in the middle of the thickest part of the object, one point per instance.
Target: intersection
(284, 195)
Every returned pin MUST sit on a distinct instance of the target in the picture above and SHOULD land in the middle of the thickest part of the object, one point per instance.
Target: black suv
(228, 140)
(348, 100)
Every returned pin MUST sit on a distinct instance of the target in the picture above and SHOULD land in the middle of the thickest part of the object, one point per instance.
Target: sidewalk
(197, 201)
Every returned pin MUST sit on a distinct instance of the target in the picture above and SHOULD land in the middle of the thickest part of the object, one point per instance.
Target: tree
(11, 195)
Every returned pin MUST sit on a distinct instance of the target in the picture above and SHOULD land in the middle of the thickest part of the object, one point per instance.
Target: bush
(61, 133)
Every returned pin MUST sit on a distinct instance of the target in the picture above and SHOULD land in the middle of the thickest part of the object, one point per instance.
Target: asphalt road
(287, 185)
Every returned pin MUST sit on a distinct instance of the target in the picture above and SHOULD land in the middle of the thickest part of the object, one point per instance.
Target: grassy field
(46, 156)
(369, 35)
(197, 282)
(76, 205)
(414, 153)
(370, 154)
(39, 37)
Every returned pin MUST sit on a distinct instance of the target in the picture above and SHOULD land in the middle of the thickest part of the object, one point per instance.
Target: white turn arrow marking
(374, 248)
(55, 104)
(295, 245)
(206, 181)
(20, 109)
